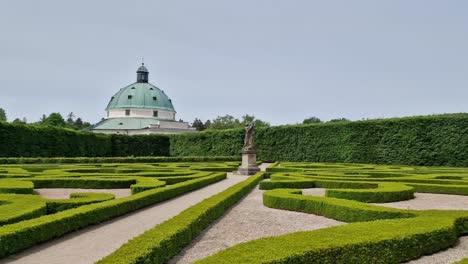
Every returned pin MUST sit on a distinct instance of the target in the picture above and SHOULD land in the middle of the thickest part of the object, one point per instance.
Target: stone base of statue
(249, 163)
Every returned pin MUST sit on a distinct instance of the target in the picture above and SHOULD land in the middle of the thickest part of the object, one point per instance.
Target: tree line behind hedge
(440, 140)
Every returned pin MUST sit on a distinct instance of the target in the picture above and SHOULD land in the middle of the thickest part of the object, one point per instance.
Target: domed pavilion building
(141, 108)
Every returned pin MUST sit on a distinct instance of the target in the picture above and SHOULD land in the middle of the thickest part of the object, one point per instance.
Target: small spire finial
(142, 60)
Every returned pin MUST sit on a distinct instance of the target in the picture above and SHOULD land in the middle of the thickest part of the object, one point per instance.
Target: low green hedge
(369, 192)
(439, 188)
(82, 182)
(19, 207)
(384, 241)
(76, 200)
(387, 235)
(19, 236)
(166, 240)
(386, 192)
(145, 183)
(289, 184)
(16, 186)
(339, 209)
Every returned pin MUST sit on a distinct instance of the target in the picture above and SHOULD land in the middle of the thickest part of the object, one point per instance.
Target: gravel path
(451, 255)
(428, 201)
(314, 191)
(64, 193)
(249, 220)
(95, 242)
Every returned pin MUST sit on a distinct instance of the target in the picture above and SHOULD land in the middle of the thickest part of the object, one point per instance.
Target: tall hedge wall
(18, 140)
(429, 140)
(141, 145)
(440, 140)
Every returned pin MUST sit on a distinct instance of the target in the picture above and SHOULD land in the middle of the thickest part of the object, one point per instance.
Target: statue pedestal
(249, 163)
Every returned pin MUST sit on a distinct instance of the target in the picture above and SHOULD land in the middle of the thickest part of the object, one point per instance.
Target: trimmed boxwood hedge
(18, 140)
(76, 200)
(387, 235)
(439, 140)
(376, 242)
(339, 209)
(19, 236)
(426, 140)
(19, 207)
(167, 239)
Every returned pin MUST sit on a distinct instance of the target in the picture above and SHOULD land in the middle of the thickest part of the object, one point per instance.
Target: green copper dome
(141, 95)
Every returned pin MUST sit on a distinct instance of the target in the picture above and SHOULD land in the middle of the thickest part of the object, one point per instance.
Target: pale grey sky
(279, 60)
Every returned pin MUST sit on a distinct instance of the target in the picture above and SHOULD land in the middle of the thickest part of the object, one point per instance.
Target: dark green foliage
(54, 119)
(116, 159)
(210, 143)
(312, 120)
(198, 125)
(3, 117)
(428, 140)
(230, 122)
(342, 119)
(141, 145)
(18, 140)
(431, 140)
(439, 140)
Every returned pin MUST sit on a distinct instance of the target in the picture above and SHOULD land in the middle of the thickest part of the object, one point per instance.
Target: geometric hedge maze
(374, 234)
(27, 219)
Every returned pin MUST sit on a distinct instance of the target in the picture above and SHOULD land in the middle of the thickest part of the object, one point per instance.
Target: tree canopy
(312, 120)
(3, 116)
(228, 122)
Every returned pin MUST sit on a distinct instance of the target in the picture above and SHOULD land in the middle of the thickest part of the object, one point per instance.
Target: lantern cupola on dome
(142, 74)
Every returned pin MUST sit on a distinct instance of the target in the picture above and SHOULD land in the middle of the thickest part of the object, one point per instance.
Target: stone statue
(249, 144)
(249, 153)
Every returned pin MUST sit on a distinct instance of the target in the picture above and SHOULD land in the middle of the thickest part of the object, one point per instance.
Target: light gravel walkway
(93, 243)
(64, 193)
(249, 220)
(422, 201)
(451, 255)
(428, 201)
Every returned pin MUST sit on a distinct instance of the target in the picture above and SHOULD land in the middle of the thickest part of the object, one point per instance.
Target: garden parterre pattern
(27, 219)
(375, 234)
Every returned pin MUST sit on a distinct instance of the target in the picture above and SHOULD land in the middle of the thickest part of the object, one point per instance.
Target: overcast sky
(282, 61)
